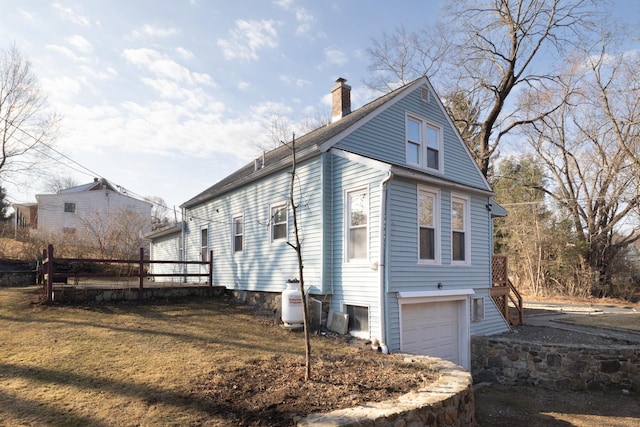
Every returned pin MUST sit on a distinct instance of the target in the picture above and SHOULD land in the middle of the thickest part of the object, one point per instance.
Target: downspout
(382, 262)
(182, 251)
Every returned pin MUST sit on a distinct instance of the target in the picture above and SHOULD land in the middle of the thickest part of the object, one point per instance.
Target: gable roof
(97, 184)
(306, 146)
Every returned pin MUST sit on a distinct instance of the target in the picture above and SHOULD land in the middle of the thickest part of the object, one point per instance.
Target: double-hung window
(279, 222)
(428, 225)
(424, 144)
(459, 229)
(238, 233)
(357, 224)
(204, 244)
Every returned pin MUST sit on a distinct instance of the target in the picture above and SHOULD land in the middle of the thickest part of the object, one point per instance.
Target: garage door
(432, 329)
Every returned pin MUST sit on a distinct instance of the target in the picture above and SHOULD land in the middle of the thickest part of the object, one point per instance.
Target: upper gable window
(69, 207)
(424, 144)
(279, 222)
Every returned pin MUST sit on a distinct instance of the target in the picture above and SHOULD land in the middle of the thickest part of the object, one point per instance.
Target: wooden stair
(504, 293)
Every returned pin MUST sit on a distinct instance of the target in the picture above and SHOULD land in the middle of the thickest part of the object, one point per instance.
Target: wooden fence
(49, 273)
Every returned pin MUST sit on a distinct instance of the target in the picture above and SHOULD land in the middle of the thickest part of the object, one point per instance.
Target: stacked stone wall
(555, 366)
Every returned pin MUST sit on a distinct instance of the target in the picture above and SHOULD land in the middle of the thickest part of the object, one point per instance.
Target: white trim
(347, 224)
(441, 294)
(466, 203)
(233, 234)
(357, 158)
(282, 204)
(437, 225)
(423, 161)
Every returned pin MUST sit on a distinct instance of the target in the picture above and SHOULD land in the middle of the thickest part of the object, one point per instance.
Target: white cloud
(247, 38)
(65, 51)
(335, 56)
(68, 14)
(305, 20)
(244, 85)
(26, 15)
(184, 53)
(151, 31)
(293, 81)
(285, 4)
(80, 43)
(62, 89)
(158, 64)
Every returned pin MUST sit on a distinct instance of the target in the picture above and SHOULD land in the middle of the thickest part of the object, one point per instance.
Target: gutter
(382, 263)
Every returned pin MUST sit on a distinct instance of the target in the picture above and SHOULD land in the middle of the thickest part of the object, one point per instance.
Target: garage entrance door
(433, 329)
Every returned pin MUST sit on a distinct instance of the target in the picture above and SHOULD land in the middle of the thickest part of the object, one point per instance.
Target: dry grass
(629, 321)
(128, 364)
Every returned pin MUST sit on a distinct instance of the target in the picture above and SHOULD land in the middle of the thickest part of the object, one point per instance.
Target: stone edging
(447, 401)
(555, 366)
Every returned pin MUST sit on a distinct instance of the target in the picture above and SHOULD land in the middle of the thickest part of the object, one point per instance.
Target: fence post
(210, 269)
(50, 272)
(141, 275)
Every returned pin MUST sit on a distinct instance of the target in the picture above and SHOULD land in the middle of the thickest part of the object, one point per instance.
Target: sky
(166, 97)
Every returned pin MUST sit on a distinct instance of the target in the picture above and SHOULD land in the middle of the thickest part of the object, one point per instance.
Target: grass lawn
(140, 365)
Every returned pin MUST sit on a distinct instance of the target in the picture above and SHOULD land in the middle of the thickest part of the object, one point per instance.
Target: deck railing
(504, 292)
(137, 270)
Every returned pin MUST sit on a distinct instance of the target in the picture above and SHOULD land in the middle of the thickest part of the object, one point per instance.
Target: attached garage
(436, 324)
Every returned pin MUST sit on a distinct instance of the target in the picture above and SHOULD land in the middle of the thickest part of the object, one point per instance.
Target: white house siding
(406, 275)
(166, 248)
(356, 282)
(262, 265)
(53, 218)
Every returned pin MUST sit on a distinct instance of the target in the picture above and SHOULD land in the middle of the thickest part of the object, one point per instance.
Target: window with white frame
(238, 233)
(357, 224)
(279, 222)
(69, 207)
(204, 244)
(428, 224)
(424, 144)
(477, 309)
(459, 229)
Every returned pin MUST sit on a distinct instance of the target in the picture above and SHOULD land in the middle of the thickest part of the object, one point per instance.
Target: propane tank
(292, 316)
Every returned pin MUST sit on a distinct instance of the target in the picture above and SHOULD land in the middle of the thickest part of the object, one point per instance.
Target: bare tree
(590, 148)
(27, 127)
(497, 47)
(55, 184)
(297, 246)
(160, 214)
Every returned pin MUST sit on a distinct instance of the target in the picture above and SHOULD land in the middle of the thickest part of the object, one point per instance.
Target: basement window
(477, 309)
(358, 320)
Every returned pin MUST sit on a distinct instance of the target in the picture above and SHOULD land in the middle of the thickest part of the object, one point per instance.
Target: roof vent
(425, 94)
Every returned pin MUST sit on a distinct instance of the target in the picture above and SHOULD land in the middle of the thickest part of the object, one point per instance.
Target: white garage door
(432, 329)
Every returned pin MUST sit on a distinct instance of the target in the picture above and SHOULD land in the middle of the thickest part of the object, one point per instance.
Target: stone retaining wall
(447, 402)
(82, 295)
(555, 366)
(17, 278)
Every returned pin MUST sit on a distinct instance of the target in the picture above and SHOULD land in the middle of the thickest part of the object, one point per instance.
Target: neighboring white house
(74, 210)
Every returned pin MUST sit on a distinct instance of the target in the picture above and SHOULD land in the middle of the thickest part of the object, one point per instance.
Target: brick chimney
(340, 100)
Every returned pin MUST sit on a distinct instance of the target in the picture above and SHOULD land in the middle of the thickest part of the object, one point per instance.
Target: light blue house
(396, 224)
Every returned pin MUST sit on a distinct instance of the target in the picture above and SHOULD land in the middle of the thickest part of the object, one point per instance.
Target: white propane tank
(292, 306)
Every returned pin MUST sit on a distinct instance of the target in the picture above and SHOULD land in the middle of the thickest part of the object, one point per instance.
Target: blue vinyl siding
(263, 265)
(384, 139)
(359, 283)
